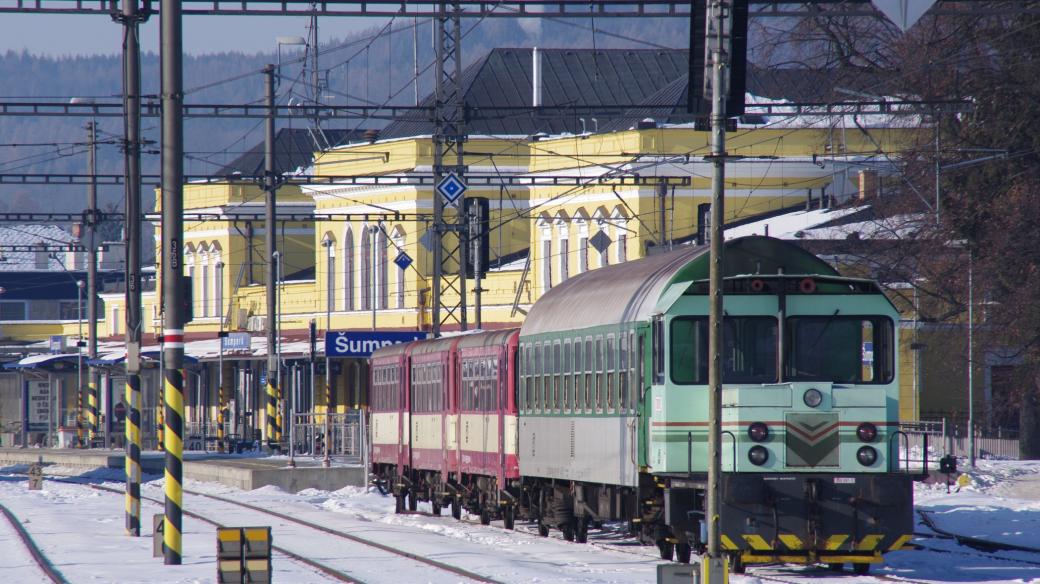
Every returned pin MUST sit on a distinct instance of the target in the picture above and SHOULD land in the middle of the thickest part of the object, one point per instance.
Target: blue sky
(58, 35)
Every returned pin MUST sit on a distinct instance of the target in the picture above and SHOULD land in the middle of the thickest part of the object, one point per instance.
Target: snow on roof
(19, 261)
(786, 226)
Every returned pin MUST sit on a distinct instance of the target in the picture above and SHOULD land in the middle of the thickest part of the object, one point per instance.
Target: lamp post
(326, 461)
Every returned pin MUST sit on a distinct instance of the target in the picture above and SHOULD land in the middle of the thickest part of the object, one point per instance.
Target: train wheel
(836, 566)
(456, 508)
(508, 517)
(568, 531)
(543, 529)
(435, 504)
(861, 569)
(682, 553)
(667, 549)
(581, 530)
(399, 503)
(485, 517)
(736, 564)
(413, 501)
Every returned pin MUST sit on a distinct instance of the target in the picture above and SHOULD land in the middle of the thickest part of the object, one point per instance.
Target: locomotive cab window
(749, 346)
(840, 349)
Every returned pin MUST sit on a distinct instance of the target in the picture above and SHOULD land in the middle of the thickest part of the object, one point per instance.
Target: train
(596, 410)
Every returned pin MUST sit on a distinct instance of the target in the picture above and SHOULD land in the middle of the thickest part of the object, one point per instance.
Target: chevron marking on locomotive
(899, 543)
(812, 440)
(869, 543)
(791, 540)
(835, 541)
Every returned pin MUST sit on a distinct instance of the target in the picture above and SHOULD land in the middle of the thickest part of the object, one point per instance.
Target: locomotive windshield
(839, 349)
(817, 348)
(749, 350)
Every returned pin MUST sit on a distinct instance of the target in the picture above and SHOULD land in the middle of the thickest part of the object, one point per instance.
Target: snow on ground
(82, 531)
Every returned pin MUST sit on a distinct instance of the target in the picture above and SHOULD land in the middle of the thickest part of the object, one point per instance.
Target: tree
(989, 211)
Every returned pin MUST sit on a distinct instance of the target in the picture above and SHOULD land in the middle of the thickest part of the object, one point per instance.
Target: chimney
(646, 124)
(536, 78)
(42, 257)
(371, 136)
(868, 184)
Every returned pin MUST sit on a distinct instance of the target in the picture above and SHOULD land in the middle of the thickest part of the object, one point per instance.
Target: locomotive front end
(810, 407)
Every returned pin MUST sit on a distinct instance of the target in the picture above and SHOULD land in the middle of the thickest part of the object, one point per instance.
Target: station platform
(242, 472)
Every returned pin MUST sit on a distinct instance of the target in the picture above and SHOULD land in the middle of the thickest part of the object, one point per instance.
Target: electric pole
(92, 217)
(715, 570)
(171, 43)
(449, 253)
(274, 433)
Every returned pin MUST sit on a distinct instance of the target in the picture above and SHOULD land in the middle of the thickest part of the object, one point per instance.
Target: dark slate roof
(605, 78)
(294, 148)
(654, 80)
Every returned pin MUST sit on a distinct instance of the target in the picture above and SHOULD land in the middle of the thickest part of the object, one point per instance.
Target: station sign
(38, 405)
(362, 343)
(237, 342)
(56, 344)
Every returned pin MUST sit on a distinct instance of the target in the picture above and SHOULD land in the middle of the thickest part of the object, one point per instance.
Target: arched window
(203, 283)
(348, 269)
(366, 268)
(583, 241)
(216, 256)
(399, 243)
(545, 247)
(329, 243)
(382, 268)
(563, 247)
(189, 272)
(620, 221)
(603, 226)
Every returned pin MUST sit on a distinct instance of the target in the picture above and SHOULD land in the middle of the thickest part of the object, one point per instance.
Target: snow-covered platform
(242, 472)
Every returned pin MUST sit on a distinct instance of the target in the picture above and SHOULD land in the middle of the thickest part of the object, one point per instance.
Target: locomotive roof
(634, 290)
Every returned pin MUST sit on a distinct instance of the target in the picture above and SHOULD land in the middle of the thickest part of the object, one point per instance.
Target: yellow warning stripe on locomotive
(792, 542)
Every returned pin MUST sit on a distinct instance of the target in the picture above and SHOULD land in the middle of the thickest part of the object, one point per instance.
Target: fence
(347, 436)
(948, 438)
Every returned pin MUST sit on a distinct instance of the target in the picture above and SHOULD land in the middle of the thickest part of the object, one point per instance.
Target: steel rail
(324, 569)
(39, 557)
(437, 564)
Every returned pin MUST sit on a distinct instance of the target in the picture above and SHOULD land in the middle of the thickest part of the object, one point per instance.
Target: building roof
(294, 149)
(641, 83)
(584, 77)
(24, 235)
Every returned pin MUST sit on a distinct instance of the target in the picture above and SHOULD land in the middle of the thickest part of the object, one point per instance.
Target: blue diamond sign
(403, 260)
(451, 188)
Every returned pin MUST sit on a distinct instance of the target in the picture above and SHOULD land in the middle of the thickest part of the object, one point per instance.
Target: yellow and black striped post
(220, 414)
(81, 441)
(133, 455)
(175, 307)
(273, 430)
(174, 490)
(160, 426)
(92, 410)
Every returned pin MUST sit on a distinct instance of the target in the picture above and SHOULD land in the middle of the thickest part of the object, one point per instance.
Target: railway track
(320, 567)
(351, 537)
(337, 574)
(41, 560)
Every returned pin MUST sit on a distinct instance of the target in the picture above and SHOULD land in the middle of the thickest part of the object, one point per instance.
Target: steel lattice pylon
(449, 251)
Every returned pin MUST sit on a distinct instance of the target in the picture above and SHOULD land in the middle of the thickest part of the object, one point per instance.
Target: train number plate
(844, 481)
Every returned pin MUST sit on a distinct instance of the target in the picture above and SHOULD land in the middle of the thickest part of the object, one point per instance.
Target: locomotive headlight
(758, 432)
(866, 455)
(758, 455)
(813, 398)
(866, 432)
